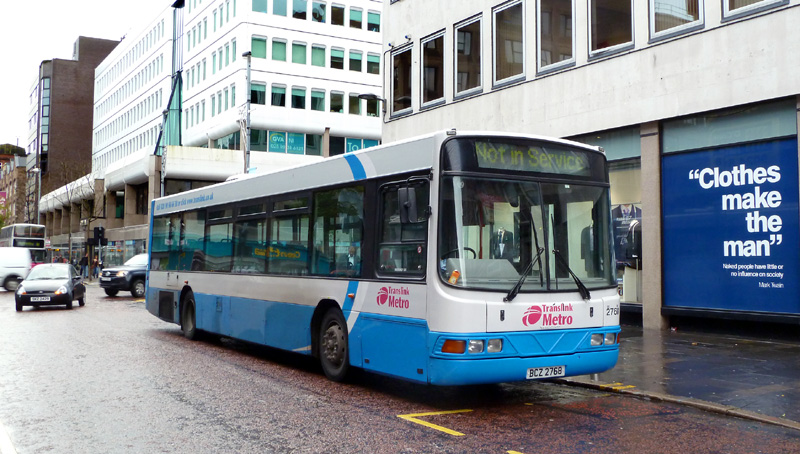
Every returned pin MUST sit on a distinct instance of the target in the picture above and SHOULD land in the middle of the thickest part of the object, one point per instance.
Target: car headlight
(61, 290)
(21, 290)
(122, 273)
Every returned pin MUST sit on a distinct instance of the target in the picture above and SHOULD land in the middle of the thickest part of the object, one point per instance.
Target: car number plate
(546, 372)
(104, 279)
(40, 298)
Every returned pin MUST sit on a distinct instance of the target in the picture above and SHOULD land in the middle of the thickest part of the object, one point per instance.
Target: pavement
(750, 370)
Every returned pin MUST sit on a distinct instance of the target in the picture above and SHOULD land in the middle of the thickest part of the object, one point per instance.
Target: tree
(79, 191)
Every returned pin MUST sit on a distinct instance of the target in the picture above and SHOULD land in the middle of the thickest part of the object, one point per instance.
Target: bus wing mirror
(407, 198)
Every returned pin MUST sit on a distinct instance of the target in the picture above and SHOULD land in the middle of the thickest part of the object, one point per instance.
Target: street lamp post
(247, 55)
(374, 97)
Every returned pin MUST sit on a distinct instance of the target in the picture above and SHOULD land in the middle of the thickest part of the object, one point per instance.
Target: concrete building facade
(695, 102)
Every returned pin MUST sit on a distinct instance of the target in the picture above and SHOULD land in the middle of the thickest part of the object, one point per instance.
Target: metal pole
(248, 55)
(38, 194)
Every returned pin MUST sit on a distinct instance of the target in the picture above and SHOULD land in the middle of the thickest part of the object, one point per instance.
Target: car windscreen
(48, 272)
(137, 260)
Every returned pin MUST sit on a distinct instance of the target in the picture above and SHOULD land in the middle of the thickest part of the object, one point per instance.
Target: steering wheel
(446, 254)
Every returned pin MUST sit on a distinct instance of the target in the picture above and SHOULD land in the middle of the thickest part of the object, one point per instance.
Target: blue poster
(730, 228)
(297, 143)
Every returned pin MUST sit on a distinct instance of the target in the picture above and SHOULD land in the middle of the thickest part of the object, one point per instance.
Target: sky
(34, 31)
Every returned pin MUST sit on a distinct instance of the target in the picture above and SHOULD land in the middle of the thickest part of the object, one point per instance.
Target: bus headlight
(597, 339)
(495, 346)
(611, 339)
(476, 346)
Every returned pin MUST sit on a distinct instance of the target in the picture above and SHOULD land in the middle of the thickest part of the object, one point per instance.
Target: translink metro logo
(394, 297)
(550, 315)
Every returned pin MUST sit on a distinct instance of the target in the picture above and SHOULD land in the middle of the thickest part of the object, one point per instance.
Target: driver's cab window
(404, 228)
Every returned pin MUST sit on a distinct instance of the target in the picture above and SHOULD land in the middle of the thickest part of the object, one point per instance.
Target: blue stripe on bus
(356, 167)
(347, 305)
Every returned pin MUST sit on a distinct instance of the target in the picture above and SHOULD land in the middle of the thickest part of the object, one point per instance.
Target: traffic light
(99, 237)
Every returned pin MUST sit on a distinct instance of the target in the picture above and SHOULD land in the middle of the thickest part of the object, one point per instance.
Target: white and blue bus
(453, 258)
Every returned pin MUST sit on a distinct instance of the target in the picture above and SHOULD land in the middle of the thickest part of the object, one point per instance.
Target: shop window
(611, 25)
(509, 48)
(314, 144)
(556, 36)
(433, 69)
(468, 57)
(401, 81)
(669, 18)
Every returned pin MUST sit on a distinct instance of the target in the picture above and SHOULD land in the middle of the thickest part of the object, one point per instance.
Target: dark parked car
(51, 284)
(127, 277)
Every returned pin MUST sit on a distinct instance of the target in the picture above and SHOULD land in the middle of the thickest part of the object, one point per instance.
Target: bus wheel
(188, 325)
(334, 353)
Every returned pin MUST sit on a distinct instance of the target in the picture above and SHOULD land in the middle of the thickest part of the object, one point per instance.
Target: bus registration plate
(40, 298)
(546, 372)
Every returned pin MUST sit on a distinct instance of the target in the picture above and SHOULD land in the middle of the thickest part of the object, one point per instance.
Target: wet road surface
(111, 378)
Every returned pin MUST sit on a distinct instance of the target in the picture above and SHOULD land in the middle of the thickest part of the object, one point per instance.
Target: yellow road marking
(413, 418)
(514, 452)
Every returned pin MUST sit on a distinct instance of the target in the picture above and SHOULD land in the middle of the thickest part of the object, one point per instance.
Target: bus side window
(402, 245)
(338, 232)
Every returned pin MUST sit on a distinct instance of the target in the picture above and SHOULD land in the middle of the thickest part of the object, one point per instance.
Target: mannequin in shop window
(621, 217)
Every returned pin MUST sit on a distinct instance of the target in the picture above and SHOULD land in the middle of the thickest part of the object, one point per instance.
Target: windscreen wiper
(581, 288)
(513, 292)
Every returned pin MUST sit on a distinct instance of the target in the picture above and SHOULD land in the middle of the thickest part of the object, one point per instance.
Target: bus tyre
(334, 352)
(137, 288)
(188, 320)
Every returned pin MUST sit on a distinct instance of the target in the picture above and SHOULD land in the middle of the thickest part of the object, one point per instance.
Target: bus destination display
(516, 157)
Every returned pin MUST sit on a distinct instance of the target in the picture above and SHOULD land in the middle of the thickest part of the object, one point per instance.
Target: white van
(15, 264)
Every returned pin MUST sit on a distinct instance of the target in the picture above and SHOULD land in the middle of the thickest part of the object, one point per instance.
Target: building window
(214, 63)
(318, 12)
(299, 53)
(213, 113)
(373, 21)
(433, 69)
(509, 47)
(299, 9)
(258, 49)
(337, 58)
(612, 25)
(337, 102)
(278, 50)
(401, 80)
(318, 100)
(668, 18)
(468, 56)
(279, 95)
(373, 64)
(337, 14)
(556, 35)
(372, 107)
(279, 7)
(258, 94)
(260, 6)
(298, 98)
(355, 105)
(318, 55)
(355, 60)
(355, 18)
(733, 8)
